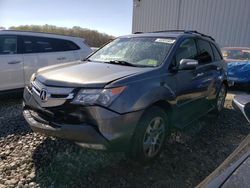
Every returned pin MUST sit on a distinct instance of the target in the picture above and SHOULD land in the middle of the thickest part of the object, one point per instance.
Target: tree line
(92, 37)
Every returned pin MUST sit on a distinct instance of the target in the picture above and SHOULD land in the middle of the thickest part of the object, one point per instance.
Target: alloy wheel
(154, 137)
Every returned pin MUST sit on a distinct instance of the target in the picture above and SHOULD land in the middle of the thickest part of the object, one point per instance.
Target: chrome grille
(55, 95)
(53, 90)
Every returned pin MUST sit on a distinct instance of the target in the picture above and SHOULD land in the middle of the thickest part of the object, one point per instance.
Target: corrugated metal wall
(228, 21)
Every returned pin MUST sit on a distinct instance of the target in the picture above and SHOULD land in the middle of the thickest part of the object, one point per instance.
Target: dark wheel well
(165, 106)
(225, 82)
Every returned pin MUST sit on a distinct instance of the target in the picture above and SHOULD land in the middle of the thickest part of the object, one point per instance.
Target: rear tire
(150, 135)
(220, 99)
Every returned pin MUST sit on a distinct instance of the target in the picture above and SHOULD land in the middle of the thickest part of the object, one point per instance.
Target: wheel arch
(166, 107)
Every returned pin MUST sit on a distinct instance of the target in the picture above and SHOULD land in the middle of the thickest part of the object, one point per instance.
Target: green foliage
(93, 38)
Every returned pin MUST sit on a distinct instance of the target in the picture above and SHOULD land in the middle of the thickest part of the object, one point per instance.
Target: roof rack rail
(182, 31)
(196, 32)
(38, 32)
(138, 32)
(164, 31)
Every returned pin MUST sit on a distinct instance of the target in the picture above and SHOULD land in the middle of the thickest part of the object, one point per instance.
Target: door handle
(61, 58)
(200, 74)
(14, 62)
(219, 68)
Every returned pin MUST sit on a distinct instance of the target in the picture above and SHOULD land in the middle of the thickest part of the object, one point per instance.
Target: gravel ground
(28, 159)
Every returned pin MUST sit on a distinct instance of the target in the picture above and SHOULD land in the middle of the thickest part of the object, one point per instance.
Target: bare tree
(93, 38)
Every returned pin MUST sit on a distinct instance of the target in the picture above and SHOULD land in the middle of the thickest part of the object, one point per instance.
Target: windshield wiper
(86, 59)
(122, 63)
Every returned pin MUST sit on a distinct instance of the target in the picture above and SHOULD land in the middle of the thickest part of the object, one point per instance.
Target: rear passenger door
(48, 52)
(54, 51)
(208, 71)
(11, 64)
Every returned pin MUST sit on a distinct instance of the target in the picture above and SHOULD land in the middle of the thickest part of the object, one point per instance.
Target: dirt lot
(29, 160)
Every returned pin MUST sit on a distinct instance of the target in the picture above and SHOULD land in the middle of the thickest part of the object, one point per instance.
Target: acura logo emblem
(43, 95)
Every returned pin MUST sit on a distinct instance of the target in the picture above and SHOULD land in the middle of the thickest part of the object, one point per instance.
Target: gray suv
(129, 95)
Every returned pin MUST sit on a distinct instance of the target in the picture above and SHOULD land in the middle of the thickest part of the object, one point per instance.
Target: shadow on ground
(186, 160)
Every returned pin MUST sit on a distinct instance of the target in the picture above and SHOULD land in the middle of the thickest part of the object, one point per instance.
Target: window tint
(28, 45)
(64, 45)
(32, 44)
(55, 45)
(187, 50)
(217, 55)
(44, 45)
(8, 45)
(205, 53)
(71, 46)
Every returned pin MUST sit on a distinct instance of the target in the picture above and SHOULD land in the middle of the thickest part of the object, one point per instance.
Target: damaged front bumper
(92, 126)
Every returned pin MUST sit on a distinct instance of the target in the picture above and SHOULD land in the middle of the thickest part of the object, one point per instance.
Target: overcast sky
(109, 16)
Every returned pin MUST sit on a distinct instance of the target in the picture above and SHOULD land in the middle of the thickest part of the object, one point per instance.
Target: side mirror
(188, 64)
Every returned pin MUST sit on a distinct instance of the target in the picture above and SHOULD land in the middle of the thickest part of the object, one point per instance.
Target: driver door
(11, 64)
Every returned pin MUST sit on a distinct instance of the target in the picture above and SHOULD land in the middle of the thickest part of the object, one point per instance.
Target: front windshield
(138, 51)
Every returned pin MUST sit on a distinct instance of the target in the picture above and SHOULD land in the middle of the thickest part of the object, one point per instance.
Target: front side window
(186, 50)
(139, 51)
(205, 53)
(8, 45)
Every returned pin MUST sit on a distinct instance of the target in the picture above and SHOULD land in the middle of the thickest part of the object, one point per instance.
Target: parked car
(22, 53)
(238, 60)
(129, 94)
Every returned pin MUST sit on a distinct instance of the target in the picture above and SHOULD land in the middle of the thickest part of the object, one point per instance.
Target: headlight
(32, 78)
(98, 96)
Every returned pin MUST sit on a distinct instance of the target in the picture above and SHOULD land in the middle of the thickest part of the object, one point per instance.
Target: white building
(228, 21)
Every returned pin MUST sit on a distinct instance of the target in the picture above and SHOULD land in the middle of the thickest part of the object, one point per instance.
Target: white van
(23, 52)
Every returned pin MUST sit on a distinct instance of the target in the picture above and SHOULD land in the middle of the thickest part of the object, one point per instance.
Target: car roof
(172, 34)
(38, 34)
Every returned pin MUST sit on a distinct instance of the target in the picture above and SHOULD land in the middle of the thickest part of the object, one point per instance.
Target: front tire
(150, 135)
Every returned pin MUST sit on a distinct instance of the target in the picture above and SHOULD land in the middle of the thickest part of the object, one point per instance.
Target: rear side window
(64, 45)
(217, 55)
(44, 45)
(28, 45)
(8, 45)
(205, 53)
(31, 44)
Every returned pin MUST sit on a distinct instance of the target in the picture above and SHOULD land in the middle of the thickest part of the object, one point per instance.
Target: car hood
(85, 74)
(239, 70)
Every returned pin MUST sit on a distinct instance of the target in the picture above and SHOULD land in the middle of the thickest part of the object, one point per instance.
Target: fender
(143, 97)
